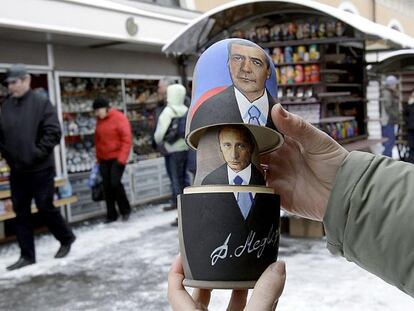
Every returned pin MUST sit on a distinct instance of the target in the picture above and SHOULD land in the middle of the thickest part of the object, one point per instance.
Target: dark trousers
(410, 141)
(114, 191)
(40, 186)
(388, 131)
(176, 163)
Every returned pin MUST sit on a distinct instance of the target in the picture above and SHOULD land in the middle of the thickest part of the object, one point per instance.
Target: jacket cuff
(335, 219)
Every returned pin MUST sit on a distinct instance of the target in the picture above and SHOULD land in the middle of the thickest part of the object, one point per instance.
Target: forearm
(369, 217)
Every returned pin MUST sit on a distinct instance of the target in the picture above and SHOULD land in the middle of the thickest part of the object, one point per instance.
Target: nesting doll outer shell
(231, 77)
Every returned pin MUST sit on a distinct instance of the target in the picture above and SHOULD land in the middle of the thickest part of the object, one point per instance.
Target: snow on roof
(197, 33)
(395, 54)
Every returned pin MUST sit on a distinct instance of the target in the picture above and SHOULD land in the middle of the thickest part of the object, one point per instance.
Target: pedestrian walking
(30, 131)
(176, 152)
(409, 126)
(389, 111)
(113, 141)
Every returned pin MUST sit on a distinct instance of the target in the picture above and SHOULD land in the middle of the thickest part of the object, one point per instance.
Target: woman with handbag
(113, 140)
(167, 135)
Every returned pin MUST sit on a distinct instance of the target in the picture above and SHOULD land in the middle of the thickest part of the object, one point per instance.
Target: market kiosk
(319, 53)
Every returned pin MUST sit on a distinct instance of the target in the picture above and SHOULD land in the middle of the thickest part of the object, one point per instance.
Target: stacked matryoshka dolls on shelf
(229, 220)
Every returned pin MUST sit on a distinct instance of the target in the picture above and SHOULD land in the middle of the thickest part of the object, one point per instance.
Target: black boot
(22, 262)
(64, 249)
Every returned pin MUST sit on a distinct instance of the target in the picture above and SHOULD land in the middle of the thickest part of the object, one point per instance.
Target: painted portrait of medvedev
(246, 91)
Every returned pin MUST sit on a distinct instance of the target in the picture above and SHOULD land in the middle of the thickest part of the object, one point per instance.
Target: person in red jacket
(113, 140)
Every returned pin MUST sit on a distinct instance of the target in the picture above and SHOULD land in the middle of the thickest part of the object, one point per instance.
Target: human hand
(265, 295)
(303, 170)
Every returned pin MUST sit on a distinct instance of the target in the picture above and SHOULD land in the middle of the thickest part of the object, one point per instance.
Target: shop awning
(394, 61)
(91, 23)
(221, 21)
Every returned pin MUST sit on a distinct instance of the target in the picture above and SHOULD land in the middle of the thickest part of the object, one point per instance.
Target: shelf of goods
(320, 70)
(77, 96)
(141, 109)
(145, 177)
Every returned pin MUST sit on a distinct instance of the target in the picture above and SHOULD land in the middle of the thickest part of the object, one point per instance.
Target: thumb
(268, 288)
(297, 128)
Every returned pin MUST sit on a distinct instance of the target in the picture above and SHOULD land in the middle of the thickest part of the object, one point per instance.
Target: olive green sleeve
(370, 217)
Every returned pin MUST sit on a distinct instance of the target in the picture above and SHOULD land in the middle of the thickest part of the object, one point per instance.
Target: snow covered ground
(124, 266)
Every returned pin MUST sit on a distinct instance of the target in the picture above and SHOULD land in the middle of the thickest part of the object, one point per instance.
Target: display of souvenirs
(283, 75)
(299, 74)
(299, 31)
(301, 50)
(339, 28)
(80, 157)
(292, 31)
(290, 74)
(321, 30)
(313, 52)
(285, 31)
(237, 34)
(277, 56)
(297, 93)
(330, 29)
(309, 112)
(314, 30)
(262, 34)
(290, 55)
(306, 30)
(250, 34)
(315, 73)
(275, 33)
(341, 130)
(78, 124)
(307, 73)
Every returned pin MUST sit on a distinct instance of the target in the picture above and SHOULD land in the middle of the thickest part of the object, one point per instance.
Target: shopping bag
(98, 192)
(96, 184)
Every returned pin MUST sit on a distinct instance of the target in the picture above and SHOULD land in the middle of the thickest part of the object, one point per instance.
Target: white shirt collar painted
(262, 103)
(245, 174)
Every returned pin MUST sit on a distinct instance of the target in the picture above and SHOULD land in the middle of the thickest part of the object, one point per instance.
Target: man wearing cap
(389, 110)
(113, 141)
(30, 131)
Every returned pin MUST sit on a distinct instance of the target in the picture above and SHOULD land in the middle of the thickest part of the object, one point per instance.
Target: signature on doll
(251, 245)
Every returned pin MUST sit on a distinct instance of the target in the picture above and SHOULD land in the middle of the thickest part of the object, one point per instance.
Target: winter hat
(15, 72)
(175, 95)
(100, 103)
(391, 81)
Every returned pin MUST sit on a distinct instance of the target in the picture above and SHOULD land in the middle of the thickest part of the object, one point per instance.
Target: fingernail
(279, 267)
(283, 112)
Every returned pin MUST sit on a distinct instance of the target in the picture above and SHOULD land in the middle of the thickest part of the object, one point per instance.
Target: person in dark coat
(409, 125)
(30, 131)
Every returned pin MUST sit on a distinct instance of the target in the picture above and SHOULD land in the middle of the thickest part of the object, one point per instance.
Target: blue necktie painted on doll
(244, 199)
(255, 116)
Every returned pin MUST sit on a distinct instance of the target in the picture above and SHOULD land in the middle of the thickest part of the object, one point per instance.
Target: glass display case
(138, 99)
(142, 105)
(79, 121)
